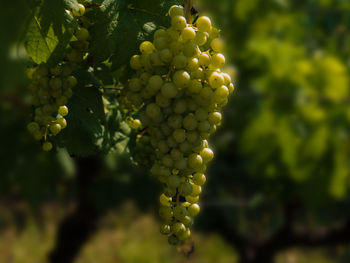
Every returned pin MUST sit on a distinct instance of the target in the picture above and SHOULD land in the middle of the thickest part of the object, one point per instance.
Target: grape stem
(188, 8)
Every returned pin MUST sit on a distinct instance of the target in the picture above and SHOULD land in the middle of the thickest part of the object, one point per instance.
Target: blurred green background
(284, 144)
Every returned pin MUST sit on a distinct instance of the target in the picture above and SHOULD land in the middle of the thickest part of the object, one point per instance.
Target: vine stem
(188, 7)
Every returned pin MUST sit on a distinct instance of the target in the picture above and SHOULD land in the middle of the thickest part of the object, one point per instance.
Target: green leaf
(92, 128)
(84, 132)
(122, 25)
(50, 31)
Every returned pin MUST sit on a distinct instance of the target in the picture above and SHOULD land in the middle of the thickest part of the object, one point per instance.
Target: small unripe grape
(169, 90)
(63, 111)
(196, 190)
(174, 181)
(166, 55)
(55, 128)
(180, 212)
(214, 118)
(192, 199)
(195, 161)
(204, 59)
(175, 121)
(55, 83)
(135, 62)
(221, 92)
(191, 50)
(188, 33)
(185, 189)
(165, 212)
(204, 24)
(181, 78)
(178, 22)
(216, 80)
(179, 61)
(199, 179)
(192, 64)
(82, 34)
(217, 61)
(207, 155)
(178, 229)
(231, 88)
(217, 44)
(170, 192)
(167, 161)
(201, 114)
(160, 33)
(204, 126)
(162, 101)
(176, 48)
(176, 10)
(187, 221)
(206, 93)
(153, 110)
(195, 86)
(201, 38)
(146, 47)
(192, 136)
(80, 11)
(160, 43)
(47, 146)
(180, 106)
(155, 82)
(135, 84)
(181, 164)
(165, 229)
(194, 210)
(190, 122)
(62, 122)
(179, 135)
(33, 127)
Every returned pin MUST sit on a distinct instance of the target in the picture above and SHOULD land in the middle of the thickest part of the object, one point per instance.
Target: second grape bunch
(179, 90)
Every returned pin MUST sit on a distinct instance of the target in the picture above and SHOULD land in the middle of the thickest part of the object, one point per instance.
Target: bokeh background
(279, 185)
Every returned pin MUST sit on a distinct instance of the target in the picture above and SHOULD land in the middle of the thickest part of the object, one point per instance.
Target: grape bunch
(178, 90)
(52, 87)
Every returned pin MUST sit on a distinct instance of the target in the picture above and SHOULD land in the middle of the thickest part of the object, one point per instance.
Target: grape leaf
(120, 26)
(92, 129)
(50, 31)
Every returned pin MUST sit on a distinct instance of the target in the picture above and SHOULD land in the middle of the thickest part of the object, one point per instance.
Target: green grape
(199, 179)
(185, 189)
(33, 127)
(165, 229)
(62, 122)
(204, 24)
(178, 91)
(217, 61)
(176, 10)
(178, 22)
(82, 34)
(179, 135)
(188, 33)
(195, 161)
(204, 60)
(169, 90)
(178, 229)
(179, 61)
(194, 210)
(63, 111)
(217, 44)
(47, 146)
(146, 47)
(166, 55)
(196, 190)
(135, 62)
(55, 128)
(180, 212)
(80, 11)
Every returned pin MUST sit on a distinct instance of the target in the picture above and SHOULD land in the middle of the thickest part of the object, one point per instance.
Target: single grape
(47, 146)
